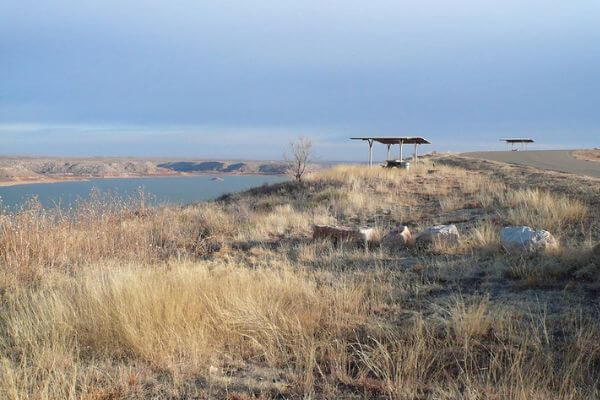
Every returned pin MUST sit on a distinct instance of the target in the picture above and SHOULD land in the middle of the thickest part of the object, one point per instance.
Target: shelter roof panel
(518, 140)
(395, 139)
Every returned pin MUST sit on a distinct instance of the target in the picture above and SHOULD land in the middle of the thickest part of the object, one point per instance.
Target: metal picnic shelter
(512, 141)
(393, 140)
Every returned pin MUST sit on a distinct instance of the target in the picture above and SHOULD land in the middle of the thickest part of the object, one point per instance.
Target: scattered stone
(366, 235)
(524, 239)
(399, 236)
(442, 234)
(342, 233)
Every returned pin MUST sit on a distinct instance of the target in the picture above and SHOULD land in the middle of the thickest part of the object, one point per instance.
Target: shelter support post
(401, 144)
(387, 157)
(370, 152)
(416, 154)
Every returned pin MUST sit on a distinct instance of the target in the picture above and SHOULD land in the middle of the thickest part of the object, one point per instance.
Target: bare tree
(298, 157)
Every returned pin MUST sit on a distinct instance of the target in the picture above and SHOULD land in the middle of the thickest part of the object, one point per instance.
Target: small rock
(341, 233)
(443, 234)
(399, 236)
(365, 235)
(525, 239)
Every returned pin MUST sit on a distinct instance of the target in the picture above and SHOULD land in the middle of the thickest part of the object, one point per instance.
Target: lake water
(162, 190)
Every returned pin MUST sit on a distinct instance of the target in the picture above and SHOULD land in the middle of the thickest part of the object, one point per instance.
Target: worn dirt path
(555, 160)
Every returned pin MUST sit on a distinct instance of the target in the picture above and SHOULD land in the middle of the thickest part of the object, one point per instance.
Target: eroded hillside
(24, 170)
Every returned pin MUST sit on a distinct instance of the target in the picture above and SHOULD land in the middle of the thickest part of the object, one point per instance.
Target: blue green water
(163, 190)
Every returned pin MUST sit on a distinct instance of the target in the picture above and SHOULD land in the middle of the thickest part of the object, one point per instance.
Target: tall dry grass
(361, 192)
(456, 190)
(533, 207)
(191, 320)
(483, 238)
(35, 240)
(231, 299)
(190, 316)
(544, 210)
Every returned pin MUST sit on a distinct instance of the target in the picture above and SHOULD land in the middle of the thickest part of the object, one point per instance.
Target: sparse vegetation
(232, 299)
(590, 154)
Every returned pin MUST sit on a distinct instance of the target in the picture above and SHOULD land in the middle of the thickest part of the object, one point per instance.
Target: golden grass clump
(483, 238)
(188, 315)
(450, 203)
(544, 210)
(469, 321)
(281, 220)
(534, 207)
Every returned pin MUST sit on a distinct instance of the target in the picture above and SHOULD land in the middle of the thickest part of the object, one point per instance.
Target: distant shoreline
(26, 181)
(61, 179)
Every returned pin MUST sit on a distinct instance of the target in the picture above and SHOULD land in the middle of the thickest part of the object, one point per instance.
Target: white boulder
(524, 239)
(442, 234)
(365, 235)
(399, 236)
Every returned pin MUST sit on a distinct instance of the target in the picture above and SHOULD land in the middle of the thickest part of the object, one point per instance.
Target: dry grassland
(232, 299)
(590, 155)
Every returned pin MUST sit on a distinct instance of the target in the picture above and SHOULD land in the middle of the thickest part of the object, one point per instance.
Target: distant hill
(236, 167)
(187, 166)
(272, 168)
(249, 167)
(29, 169)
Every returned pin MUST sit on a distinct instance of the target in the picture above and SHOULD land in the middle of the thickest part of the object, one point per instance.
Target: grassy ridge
(590, 155)
(232, 299)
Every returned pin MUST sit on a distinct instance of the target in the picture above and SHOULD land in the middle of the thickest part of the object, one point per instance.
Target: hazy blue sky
(241, 78)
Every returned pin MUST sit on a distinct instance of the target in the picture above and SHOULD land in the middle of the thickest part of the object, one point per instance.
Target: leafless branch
(298, 157)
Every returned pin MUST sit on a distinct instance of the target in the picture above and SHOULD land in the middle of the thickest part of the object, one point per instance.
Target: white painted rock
(399, 236)
(342, 233)
(525, 239)
(443, 234)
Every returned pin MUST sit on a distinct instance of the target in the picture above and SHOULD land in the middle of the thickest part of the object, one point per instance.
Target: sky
(241, 79)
